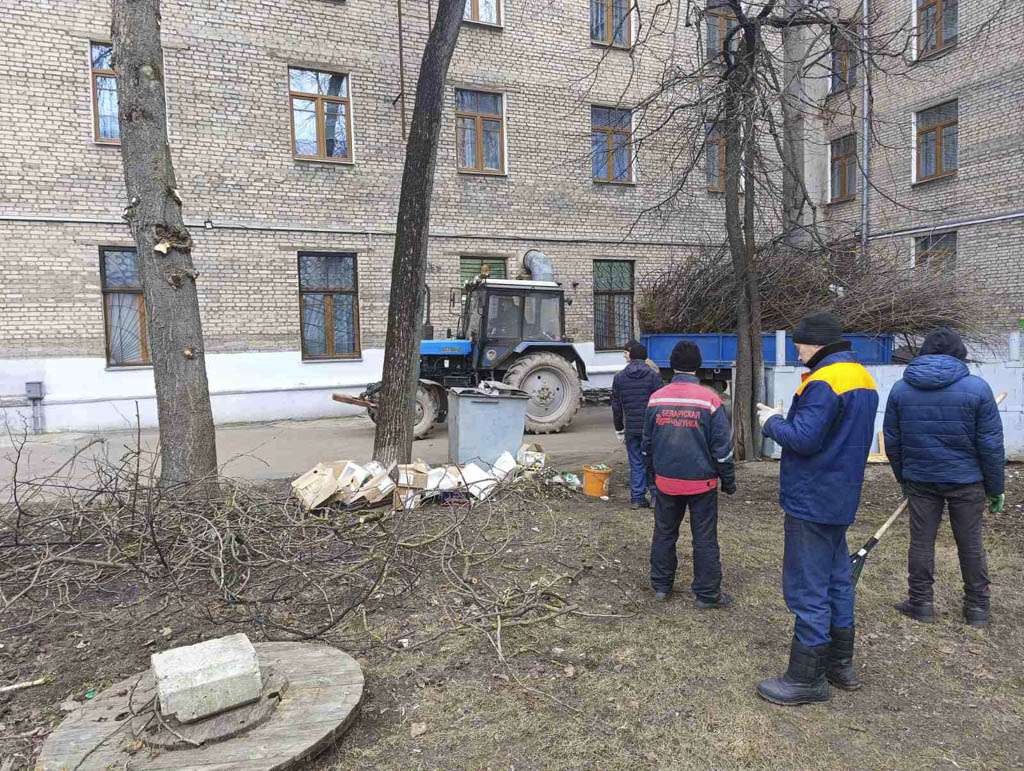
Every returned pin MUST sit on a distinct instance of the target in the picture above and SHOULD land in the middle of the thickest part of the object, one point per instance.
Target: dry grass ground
(632, 684)
(673, 687)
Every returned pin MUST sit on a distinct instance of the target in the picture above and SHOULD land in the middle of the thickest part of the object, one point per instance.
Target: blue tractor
(510, 330)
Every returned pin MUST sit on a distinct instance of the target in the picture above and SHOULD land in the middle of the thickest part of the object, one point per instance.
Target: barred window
(936, 252)
(843, 174)
(610, 22)
(936, 25)
(613, 304)
(844, 59)
(321, 115)
(329, 306)
(105, 126)
(714, 157)
(124, 311)
(611, 144)
(483, 11)
(480, 131)
(937, 141)
(471, 267)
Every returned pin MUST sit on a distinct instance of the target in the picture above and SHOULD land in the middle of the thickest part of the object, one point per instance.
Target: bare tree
(395, 417)
(188, 450)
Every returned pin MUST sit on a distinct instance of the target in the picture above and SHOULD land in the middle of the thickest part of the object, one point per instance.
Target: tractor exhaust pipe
(539, 265)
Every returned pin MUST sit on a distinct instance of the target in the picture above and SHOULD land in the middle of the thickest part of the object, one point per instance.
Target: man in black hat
(631, 388)
(944, 440)
(687, 444)
(825, 441)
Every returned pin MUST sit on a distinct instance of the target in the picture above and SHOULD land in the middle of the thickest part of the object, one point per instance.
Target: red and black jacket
(687, 439)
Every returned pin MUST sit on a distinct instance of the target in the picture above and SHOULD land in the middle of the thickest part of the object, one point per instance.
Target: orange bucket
(596, 481)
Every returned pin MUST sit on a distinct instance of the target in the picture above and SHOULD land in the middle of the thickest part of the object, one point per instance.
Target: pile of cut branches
(699, 295)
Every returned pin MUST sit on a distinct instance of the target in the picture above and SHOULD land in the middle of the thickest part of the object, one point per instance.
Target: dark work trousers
(966, 507)
(707, 566)
(637, 469)
(816, 579)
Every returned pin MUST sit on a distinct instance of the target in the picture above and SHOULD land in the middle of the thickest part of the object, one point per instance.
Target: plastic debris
(531, 456)
(572, 481)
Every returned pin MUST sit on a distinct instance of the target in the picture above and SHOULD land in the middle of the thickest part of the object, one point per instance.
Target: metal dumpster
(485, 421)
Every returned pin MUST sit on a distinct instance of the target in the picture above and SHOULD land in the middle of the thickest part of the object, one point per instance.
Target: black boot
(840, 659)
(975, 616)
(923, 612)
(804, 681)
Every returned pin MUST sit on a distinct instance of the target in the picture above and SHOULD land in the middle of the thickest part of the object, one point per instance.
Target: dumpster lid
(491, 388)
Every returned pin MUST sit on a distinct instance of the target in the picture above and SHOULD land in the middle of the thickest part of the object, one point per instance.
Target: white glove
(621, 435)
(764, 412)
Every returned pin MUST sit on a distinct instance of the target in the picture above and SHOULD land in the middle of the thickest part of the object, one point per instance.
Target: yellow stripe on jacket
(841, 377)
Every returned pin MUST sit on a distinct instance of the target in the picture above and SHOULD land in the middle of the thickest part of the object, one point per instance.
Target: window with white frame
(936, 252)
(611, 153)
(936, 139)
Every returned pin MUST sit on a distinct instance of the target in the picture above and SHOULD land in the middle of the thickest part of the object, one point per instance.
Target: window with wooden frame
(613, 304)
(611, 144)
(936, 141)
(471, 267)
(610, 23)
(124, 311)
(844, 59)
(480, 132)
(105, 127)
(843, 173)
(321, 115)
(718, 24)
(483, 12)
(936, 252)
(714, 158)
(936, 25)
(329, 305)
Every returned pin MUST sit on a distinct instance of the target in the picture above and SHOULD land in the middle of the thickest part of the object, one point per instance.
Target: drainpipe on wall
(865, 123)
(401, 68)
(34, 394)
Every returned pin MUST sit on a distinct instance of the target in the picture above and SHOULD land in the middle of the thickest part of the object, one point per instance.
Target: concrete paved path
(286, 449)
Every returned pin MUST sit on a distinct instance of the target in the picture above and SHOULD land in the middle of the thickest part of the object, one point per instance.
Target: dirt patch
(619, 682)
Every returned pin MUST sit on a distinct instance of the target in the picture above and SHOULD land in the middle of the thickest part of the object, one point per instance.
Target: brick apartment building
(947, 150)
(287, 122)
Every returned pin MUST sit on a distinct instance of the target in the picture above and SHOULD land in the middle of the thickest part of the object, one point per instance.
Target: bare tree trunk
(741, 159)
(395, 416)
(187, 446)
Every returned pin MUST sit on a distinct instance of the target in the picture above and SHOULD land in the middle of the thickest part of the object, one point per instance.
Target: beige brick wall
(226, 71)
(984, 72)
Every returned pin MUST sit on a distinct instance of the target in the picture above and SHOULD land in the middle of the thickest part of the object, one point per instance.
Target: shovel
(858, 558)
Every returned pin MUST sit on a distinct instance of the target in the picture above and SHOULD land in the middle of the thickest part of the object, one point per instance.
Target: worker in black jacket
(631, 388)
(688, 446)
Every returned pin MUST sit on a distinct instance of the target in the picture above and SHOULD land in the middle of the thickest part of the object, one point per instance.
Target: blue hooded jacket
(942, 426)
(631, 388)
(825, 440)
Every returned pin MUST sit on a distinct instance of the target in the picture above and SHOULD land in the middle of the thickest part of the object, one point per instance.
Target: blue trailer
(718, 351)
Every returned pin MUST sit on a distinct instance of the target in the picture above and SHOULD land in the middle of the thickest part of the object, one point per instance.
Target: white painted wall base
(83, 394)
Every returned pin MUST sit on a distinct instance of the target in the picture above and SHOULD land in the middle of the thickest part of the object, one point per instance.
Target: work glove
(729, 489)
(621, 435)
(764, 412)
(995, 503)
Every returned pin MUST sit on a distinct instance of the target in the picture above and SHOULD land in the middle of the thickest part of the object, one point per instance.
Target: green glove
(995, 503)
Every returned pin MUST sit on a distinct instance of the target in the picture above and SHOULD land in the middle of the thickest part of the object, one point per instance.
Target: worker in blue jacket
(944, 440)
(825, 441)
(631, 388)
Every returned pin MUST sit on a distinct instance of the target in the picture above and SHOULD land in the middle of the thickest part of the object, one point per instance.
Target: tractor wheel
(426, 412)
(554, 389)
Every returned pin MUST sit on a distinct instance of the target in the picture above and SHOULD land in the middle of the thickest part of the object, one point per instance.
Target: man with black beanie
(944, 440)
(687, 444)
(631, 388)
(825, 441)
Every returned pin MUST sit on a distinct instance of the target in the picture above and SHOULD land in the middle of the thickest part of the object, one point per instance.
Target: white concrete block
(199, 680)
